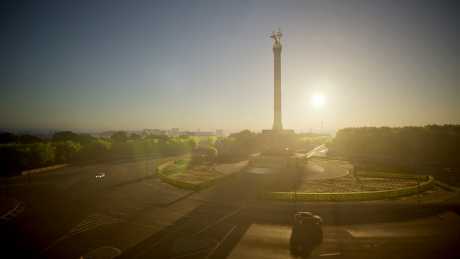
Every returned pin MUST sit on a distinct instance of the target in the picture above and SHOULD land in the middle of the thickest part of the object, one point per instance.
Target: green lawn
(178, 167)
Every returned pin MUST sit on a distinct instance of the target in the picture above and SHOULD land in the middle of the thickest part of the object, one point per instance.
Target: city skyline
(208, 65)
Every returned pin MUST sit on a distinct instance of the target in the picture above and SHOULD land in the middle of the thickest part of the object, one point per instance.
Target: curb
(43, 169)
(428, 183)
(188, 185)
(12, 213)
(446, 186)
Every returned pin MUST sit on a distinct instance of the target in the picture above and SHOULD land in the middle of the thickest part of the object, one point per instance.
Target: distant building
(219, 133)
(156, 132)
(198, 133)
(174, 132)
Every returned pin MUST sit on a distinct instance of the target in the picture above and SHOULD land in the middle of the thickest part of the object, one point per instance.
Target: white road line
(211, 252)
(91, 222)
(10, 214)
(329, 254)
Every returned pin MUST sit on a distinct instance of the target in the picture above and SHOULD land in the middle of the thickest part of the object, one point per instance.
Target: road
(319, 151)
(434, 236)
(70, 213)
(70, 206)
(131, 213)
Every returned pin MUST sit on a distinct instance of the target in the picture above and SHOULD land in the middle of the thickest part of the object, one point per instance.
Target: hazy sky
(209, 64)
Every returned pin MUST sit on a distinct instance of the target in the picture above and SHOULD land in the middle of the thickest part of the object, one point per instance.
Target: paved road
(66, 211)
(321, 170)
(319, 151)
(430, 237)
(70, 213)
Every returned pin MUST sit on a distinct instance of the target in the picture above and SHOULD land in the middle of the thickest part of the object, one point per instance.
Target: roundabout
(320, 179)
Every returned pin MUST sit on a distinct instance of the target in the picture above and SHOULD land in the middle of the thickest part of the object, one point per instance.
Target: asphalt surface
(67, 212)
(131, 214)
(430, 237)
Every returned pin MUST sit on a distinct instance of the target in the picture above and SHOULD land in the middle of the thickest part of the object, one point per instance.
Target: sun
(318, 100)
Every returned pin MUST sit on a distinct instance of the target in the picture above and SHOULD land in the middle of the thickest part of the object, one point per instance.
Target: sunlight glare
(318, 100)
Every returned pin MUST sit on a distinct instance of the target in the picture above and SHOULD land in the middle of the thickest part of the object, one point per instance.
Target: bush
(40, 154)
(15, 158)
(95, 151)
(119, 136)
(175, 146)
(202, 155)
(66, 151)
(406, 145)
(6, 138)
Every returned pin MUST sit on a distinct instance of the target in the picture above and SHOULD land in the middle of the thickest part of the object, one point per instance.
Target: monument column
(276, 36)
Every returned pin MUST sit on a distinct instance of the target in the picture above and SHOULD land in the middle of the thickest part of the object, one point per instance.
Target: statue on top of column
(276, 35)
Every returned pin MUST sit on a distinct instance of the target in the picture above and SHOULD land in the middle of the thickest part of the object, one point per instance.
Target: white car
(100, 175)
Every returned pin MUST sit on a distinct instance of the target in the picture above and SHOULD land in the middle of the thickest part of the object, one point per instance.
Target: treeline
(409, 146)
(23, 152)
(18, 153)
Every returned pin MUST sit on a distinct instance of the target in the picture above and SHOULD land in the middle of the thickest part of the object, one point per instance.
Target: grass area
(177, 167)
(350, 184)
(198, 174)
(182, 174)
(362, 181)
(332, 182)
(182, 170)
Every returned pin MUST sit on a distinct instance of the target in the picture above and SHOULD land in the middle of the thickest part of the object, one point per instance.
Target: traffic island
(315, 185)
(182, 174)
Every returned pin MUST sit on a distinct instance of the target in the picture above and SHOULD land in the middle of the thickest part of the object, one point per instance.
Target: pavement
(66, 212)
(321, 170)
(430, 237)
(130, 213)
(319, 151)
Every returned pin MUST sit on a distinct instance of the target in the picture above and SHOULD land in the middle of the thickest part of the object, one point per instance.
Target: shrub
(202, 155)
(66, 151)
(95, 150)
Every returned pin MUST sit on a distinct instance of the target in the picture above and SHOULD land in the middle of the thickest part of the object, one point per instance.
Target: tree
(95, 150)
(204, 154)
(6, 137)
(66, 151)
(135, 136)
(29, 139)
(119, 136)
(407, 146)
(65, 136)
(82, 139)
(237, 146)
(40, 154)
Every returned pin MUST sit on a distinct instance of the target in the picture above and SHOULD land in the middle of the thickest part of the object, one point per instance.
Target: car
(306, 233)
(100, 175)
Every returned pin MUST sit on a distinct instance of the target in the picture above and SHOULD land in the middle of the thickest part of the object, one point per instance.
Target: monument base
(276, 150)
(277, 142)
(272, 161)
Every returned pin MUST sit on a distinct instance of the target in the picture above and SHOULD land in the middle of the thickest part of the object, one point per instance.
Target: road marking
(89, 223)
(213, 250)
(103, 252)
(12, 213)
(321, 148)
(220, 220)
(199, 251)
(421, 227)
(330, 254)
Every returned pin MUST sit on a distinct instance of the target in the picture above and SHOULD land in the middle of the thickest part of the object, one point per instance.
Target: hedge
(428, 183)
